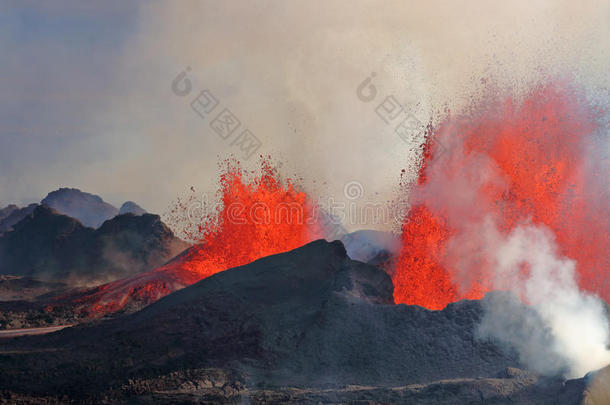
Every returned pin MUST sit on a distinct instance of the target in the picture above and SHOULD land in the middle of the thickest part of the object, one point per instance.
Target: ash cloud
(289, 73)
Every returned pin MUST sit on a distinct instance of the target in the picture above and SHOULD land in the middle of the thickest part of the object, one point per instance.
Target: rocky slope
(306, 326)
(130, 294)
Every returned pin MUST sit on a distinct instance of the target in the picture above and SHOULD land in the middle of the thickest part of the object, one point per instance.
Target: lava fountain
(535, 161)
(258, 216)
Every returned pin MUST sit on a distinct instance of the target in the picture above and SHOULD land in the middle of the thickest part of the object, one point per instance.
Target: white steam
(568, 333)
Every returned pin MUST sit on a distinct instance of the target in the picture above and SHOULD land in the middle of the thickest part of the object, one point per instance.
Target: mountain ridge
(90, 209)
(49, 245)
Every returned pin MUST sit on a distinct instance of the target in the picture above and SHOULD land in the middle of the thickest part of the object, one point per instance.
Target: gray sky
(86, 99)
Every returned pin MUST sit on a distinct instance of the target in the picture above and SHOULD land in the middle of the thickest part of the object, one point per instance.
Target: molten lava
(258, 216)
(514, 163)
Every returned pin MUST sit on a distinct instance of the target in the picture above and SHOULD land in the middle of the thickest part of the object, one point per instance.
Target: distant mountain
(307, 326)
(130, 207)
(52, 246)
(44, 243)
(89, 209)
(137, 243)
(6, 211)
(13, 214)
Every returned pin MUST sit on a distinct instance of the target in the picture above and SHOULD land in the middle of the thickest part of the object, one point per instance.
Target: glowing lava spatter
(259, 215)
(257, 218)
(514, 162)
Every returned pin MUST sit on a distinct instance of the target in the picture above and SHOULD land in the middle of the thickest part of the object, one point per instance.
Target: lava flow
(258, 216)
(535, 161)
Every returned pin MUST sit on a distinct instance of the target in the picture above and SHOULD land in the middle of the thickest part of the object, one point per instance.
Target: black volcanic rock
(308, 326)
(311, 317)
(129, 207)
(12, 216)
(89, 209)
(53, 246)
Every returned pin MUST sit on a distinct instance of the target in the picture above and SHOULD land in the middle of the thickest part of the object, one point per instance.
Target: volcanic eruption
(512, 196)
(503, 165)
(509, 197)
(259, 215)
